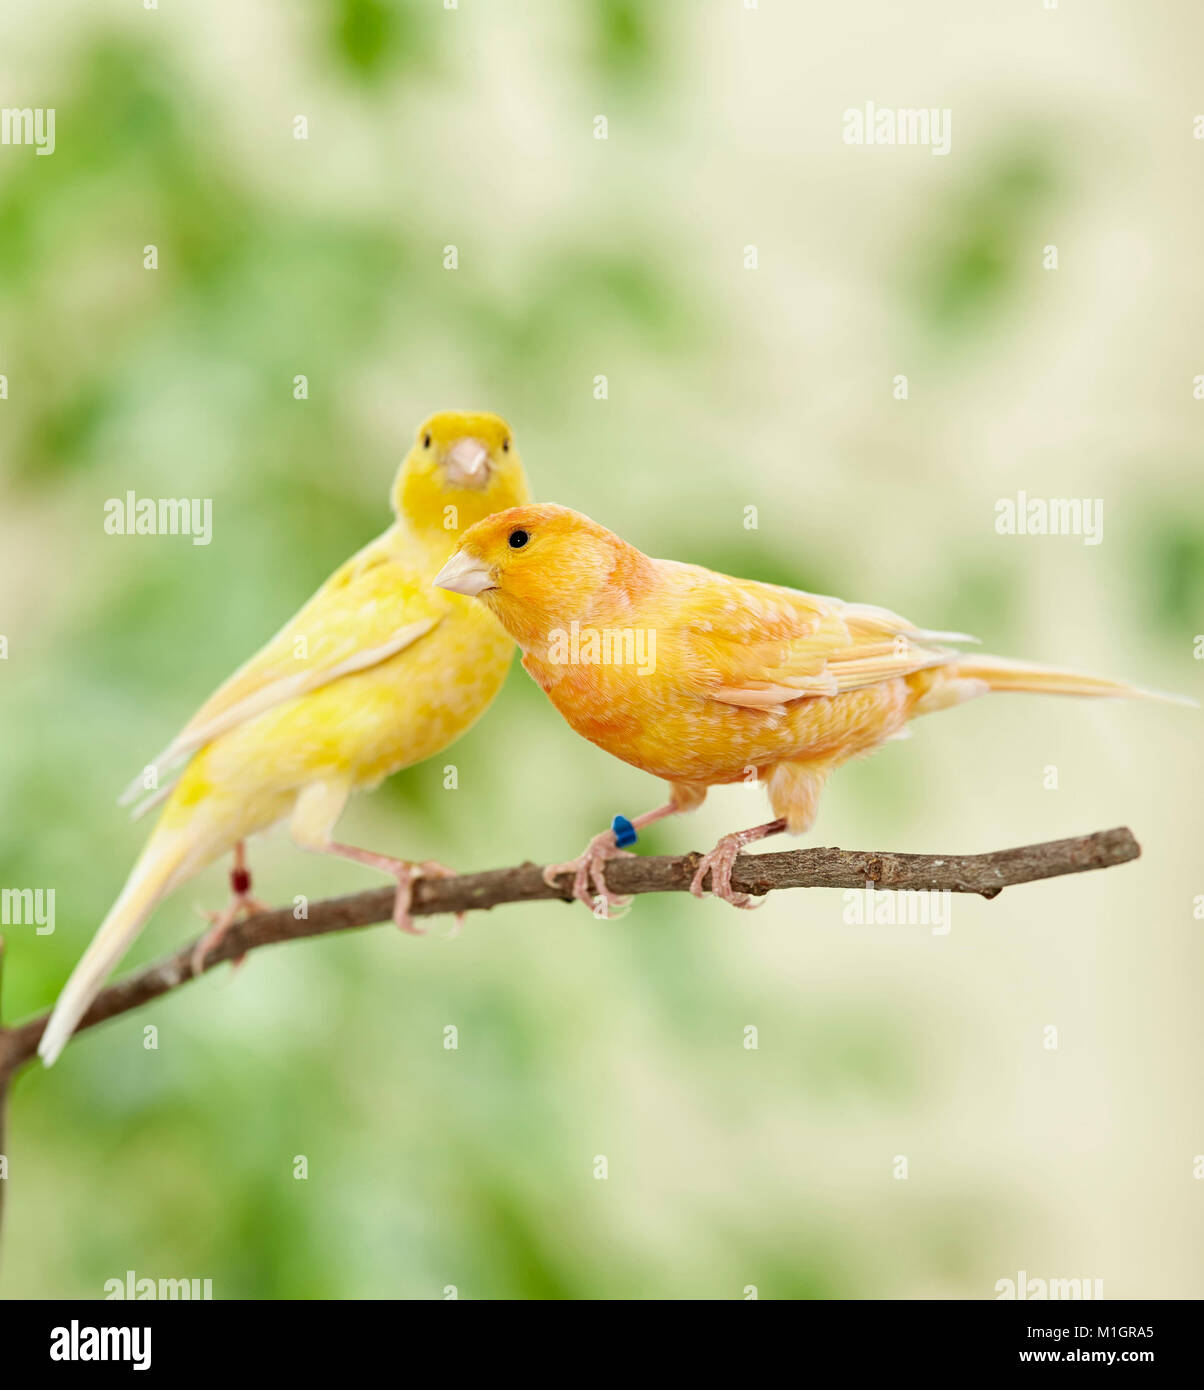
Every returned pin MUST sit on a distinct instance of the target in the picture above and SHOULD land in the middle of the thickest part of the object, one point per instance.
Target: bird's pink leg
(242, 904)
(404, 871)
(589, 868)
(721, 860)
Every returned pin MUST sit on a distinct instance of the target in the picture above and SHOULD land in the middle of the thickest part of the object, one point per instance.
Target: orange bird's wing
(763, 645)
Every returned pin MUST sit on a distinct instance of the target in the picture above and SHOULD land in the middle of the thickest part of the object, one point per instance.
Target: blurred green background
(727, 388)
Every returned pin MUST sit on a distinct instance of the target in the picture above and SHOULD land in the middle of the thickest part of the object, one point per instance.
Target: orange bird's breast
(665, 723)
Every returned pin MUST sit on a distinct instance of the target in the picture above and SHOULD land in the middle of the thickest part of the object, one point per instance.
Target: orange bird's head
(541, 566)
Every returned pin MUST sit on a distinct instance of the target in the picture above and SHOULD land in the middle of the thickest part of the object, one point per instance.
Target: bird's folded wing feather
(367, 611)
(767, 646)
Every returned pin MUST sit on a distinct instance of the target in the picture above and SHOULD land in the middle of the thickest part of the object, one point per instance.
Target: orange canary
(702, 679)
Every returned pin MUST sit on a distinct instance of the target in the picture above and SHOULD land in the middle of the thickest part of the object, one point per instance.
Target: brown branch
(984, 874)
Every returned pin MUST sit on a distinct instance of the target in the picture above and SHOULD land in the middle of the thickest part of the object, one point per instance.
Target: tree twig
(983, 874)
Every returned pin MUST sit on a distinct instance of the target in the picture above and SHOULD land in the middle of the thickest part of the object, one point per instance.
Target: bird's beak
(465, 574)
(467, 463)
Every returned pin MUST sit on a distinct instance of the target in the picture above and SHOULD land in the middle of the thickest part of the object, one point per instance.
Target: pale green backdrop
(728, 388)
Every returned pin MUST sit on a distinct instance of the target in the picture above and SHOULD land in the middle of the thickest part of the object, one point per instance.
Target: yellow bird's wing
(370, 609)
(761, 645)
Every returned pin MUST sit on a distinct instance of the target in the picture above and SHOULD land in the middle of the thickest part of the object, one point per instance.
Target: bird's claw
(719, 863)
(407, 875)
(589, 872)
(240, 905)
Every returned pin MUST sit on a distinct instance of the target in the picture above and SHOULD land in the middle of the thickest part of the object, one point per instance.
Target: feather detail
(275, 693)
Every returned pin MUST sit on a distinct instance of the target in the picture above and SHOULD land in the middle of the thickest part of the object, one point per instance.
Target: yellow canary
(703, 679)
(378, 671)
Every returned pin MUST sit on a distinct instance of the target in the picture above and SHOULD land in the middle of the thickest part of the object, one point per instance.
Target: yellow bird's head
(539, 567)
(463, 466)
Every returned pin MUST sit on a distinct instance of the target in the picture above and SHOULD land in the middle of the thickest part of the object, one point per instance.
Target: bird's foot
(242, 904)
(407, 874)
(719, 863)
(589, 871)
(404, 872)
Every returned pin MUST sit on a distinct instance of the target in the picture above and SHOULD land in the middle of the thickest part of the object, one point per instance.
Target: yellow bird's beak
(467, 463)
(465, 574)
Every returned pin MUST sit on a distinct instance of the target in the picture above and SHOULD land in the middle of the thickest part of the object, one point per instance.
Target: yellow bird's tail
(152, 877)
(967, 676)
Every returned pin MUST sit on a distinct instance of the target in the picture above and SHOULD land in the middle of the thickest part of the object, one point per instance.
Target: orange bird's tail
(968, 676)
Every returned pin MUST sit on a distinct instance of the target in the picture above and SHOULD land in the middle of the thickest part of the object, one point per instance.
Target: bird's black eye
(518, 539)
(505, 446)
(426, 441)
